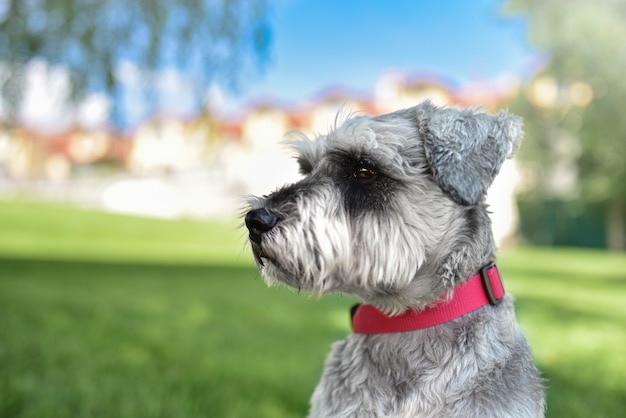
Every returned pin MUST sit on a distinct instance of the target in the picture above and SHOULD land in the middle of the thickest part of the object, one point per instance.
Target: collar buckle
(484, 275)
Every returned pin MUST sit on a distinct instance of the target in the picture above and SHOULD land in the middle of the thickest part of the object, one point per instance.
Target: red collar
(485, 287)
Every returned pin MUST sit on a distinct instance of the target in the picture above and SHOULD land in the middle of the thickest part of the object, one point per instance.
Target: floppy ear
(466, 148)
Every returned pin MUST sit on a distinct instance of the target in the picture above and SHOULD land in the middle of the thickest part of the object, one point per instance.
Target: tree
(208, 40)
(575, 104)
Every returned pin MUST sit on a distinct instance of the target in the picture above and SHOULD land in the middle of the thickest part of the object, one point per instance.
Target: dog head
(390, 207)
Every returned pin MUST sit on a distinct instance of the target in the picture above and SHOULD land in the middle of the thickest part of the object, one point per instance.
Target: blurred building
(203, 166)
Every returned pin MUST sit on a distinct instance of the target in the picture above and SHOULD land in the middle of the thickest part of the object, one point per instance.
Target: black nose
(259, 221)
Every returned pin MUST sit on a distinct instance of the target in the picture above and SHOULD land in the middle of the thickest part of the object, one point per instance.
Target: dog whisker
(391, 209)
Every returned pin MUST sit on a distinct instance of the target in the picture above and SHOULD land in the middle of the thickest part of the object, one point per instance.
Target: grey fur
(391, 210)
(466, 148)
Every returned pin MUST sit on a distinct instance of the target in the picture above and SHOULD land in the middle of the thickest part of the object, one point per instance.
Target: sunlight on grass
(104, 315)
(570, 303)
(59, 232)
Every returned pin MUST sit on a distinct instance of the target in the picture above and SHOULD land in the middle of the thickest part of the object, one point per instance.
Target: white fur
(401, 239)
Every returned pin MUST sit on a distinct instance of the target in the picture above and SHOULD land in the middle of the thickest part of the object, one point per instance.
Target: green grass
(113, 316)
(35, 230)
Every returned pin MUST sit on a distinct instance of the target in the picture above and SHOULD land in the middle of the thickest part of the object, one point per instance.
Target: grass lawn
(113, 316)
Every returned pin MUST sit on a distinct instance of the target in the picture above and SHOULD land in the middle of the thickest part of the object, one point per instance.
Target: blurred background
(131, 132)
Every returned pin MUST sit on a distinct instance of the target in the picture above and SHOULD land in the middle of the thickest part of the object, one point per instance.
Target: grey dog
(391, 209)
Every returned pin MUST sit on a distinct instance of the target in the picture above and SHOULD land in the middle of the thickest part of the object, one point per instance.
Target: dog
(391, 210)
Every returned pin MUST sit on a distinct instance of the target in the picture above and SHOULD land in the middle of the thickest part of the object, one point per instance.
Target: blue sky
(317, 44)
(321, 43)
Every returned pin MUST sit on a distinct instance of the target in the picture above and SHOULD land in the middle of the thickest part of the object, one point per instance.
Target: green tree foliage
(575, 107)
(209, 40)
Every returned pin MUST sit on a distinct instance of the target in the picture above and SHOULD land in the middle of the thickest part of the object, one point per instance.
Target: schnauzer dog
(391, 209)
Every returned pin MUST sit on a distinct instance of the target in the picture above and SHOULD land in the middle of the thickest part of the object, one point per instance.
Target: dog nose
(259, 221)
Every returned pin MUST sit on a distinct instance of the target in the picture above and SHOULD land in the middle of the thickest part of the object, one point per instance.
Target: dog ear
(308, 152)
(465, 148)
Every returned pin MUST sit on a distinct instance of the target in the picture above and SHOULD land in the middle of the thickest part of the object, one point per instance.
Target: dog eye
(364, 172)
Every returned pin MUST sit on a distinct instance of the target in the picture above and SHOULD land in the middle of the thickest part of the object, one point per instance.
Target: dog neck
(484, 288)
